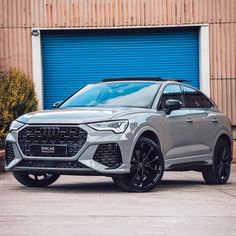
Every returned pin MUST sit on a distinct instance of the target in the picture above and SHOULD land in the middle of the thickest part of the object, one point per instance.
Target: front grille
(108, 154)
(73, 137)
(9, 153)
(51, 164)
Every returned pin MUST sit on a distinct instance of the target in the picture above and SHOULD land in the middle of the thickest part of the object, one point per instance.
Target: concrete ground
(181, 205)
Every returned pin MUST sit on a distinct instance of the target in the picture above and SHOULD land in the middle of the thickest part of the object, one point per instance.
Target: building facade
(64, 44)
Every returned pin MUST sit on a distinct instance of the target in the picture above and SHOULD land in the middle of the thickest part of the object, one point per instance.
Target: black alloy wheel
(147, 167)
(36, 179)
(219, 172)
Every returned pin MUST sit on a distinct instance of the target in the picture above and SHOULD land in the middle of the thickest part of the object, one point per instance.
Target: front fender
(138, 133)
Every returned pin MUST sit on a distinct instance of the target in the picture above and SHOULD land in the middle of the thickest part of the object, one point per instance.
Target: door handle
(214, 120)
(189, 120)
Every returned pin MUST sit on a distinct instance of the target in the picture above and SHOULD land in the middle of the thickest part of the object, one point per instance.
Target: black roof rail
(143, 78)
(177, 80)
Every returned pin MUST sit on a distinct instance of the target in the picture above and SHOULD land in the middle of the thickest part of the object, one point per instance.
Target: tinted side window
(195, 99)
(206, 102)
(171, 91)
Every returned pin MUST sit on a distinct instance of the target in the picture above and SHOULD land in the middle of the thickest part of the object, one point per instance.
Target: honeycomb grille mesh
(73, 137)
(9, 153)
(109, 155)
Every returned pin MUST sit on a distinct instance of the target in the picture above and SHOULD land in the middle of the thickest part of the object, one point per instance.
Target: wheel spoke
(148, 154)
(152, 169)
(153, 160)
(141, 151)
(227, 165)
(220, 164)
(220, 170)
(151, 179)
(148, 175)
(224, 153)
(137, 155)
(141, 178)
(146, 171)
(135, 176)
(227, 158)
(227, 170)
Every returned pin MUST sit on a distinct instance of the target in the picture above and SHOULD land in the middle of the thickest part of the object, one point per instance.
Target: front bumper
(85, 155)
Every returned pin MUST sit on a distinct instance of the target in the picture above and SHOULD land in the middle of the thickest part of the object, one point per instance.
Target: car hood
(78, 115)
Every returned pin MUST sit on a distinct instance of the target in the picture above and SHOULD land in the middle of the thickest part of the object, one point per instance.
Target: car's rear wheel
(219, 171)
(35, 180)
(147, 168)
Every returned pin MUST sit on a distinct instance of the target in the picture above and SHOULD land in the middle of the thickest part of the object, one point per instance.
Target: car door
(204, 122)
(178, 132)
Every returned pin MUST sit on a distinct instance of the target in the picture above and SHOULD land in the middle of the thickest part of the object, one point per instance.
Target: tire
(35, 180)
(147, 168)
(219, 171)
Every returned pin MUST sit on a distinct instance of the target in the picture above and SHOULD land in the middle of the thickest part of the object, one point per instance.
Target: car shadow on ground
(110, 187)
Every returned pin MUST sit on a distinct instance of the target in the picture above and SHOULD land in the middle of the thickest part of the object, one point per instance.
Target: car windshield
(128, 94)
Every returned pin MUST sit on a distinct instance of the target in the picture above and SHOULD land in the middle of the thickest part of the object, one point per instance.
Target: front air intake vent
(9, 154)
(108, 155)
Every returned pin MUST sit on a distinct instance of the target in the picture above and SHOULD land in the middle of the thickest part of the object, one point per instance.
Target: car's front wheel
(147, 168)
(219, 171)
(35, 180)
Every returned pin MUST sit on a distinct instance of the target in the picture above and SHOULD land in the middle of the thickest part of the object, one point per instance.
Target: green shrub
(17, 97)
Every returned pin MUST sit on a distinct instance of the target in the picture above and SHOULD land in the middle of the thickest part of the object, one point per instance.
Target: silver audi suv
(130, 129)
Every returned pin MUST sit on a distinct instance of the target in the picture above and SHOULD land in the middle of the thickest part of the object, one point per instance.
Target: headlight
(118, 126)
(15, 125)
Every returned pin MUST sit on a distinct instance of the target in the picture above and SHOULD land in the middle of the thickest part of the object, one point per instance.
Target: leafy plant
(17, 97)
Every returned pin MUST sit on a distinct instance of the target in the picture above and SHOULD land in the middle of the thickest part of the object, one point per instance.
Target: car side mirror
(171, 105)
(57, 104)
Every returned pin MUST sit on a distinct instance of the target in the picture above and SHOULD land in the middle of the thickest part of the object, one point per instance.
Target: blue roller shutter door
(74, 58)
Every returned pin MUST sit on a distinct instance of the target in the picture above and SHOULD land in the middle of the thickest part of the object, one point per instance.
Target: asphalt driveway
(181, 205)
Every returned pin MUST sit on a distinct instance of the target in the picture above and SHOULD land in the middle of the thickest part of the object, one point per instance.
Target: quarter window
(171, 91)
(195, 99)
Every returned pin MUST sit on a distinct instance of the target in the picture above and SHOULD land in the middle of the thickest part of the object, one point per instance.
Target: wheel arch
(223, 135)
(226, 138)
(151, 135)
(148, 132)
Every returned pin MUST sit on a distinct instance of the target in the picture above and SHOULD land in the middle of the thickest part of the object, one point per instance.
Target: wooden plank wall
(17, 17)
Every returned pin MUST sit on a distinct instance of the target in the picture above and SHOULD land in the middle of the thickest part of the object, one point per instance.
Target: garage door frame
(204, 63)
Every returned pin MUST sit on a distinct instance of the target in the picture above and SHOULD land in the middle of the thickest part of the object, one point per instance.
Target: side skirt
(196, 163)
